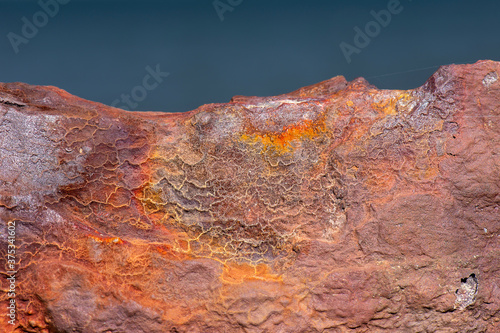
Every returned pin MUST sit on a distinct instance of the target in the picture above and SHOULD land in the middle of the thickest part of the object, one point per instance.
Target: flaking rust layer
(335, 208)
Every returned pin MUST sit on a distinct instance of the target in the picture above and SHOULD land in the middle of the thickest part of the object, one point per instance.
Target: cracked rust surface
(335, 208)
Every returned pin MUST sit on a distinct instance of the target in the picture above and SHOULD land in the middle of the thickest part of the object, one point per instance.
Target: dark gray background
(100, 49)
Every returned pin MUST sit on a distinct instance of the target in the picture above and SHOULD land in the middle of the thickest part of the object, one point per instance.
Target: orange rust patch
(235, 273)
(282, 141)
(108, 240)
(169, 252)
(183, 245)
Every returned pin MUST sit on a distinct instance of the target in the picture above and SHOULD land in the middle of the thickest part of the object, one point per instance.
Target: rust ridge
(338, 207)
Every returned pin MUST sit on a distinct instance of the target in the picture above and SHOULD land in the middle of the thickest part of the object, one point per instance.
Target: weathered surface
(336, 208)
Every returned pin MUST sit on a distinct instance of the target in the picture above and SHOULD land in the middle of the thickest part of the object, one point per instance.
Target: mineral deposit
(338, 207)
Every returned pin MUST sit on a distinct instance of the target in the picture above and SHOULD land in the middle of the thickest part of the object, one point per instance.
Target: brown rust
(335, 208)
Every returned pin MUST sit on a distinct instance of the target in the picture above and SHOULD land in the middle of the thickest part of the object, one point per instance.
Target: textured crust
(335, 208)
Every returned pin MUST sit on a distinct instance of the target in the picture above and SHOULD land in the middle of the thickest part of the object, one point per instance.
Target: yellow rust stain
(235, 273)
(388, 106)
(281, 142)
(405, 96)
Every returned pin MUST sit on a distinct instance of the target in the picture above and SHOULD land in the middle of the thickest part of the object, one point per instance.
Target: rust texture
(335, 208)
